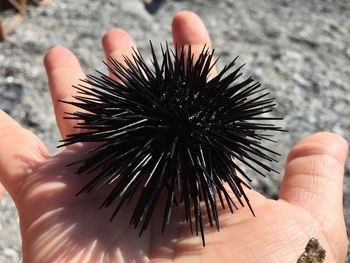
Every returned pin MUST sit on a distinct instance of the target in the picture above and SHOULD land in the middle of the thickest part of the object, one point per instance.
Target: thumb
(20, 152)
(314, 180)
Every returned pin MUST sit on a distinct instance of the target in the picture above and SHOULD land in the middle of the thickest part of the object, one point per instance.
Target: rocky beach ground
(299, 50)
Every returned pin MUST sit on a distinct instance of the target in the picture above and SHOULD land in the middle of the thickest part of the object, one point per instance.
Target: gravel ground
(300, 50)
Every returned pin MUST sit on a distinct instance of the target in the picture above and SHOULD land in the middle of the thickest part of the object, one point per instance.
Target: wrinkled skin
(58, 227)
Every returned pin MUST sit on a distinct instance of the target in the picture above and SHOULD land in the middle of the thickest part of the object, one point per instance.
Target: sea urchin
(172, 128)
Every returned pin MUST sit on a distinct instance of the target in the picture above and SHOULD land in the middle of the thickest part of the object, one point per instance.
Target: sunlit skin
(56, 226)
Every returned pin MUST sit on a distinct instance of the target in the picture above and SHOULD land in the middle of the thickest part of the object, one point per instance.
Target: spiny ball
(172, 129)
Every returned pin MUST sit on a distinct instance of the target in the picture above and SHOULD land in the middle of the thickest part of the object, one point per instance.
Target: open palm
(58, 227)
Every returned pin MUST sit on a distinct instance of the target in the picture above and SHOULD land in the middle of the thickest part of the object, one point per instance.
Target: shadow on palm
(61, 225)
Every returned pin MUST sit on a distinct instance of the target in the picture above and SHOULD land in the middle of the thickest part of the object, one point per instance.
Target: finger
(63, 71)
(314, 173)
(117, 44)
(20, 152)
(1, 190)
(188, 29)
(314, 180)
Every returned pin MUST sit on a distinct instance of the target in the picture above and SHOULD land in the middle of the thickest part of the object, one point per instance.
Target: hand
(56, 226)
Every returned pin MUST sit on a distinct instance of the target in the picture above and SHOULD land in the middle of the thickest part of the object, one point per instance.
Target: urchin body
(171, 128)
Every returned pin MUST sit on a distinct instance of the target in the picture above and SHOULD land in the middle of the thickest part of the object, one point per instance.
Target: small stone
(10, 79)
(347, 52)
(326, 9)
(314, 253)
(9, 252)
(299, 80)
(272, 31)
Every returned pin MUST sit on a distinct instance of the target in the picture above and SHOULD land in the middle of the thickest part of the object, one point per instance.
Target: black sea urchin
(171, 128)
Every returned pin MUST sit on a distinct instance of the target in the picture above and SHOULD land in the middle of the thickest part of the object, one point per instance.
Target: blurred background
(299, 50)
